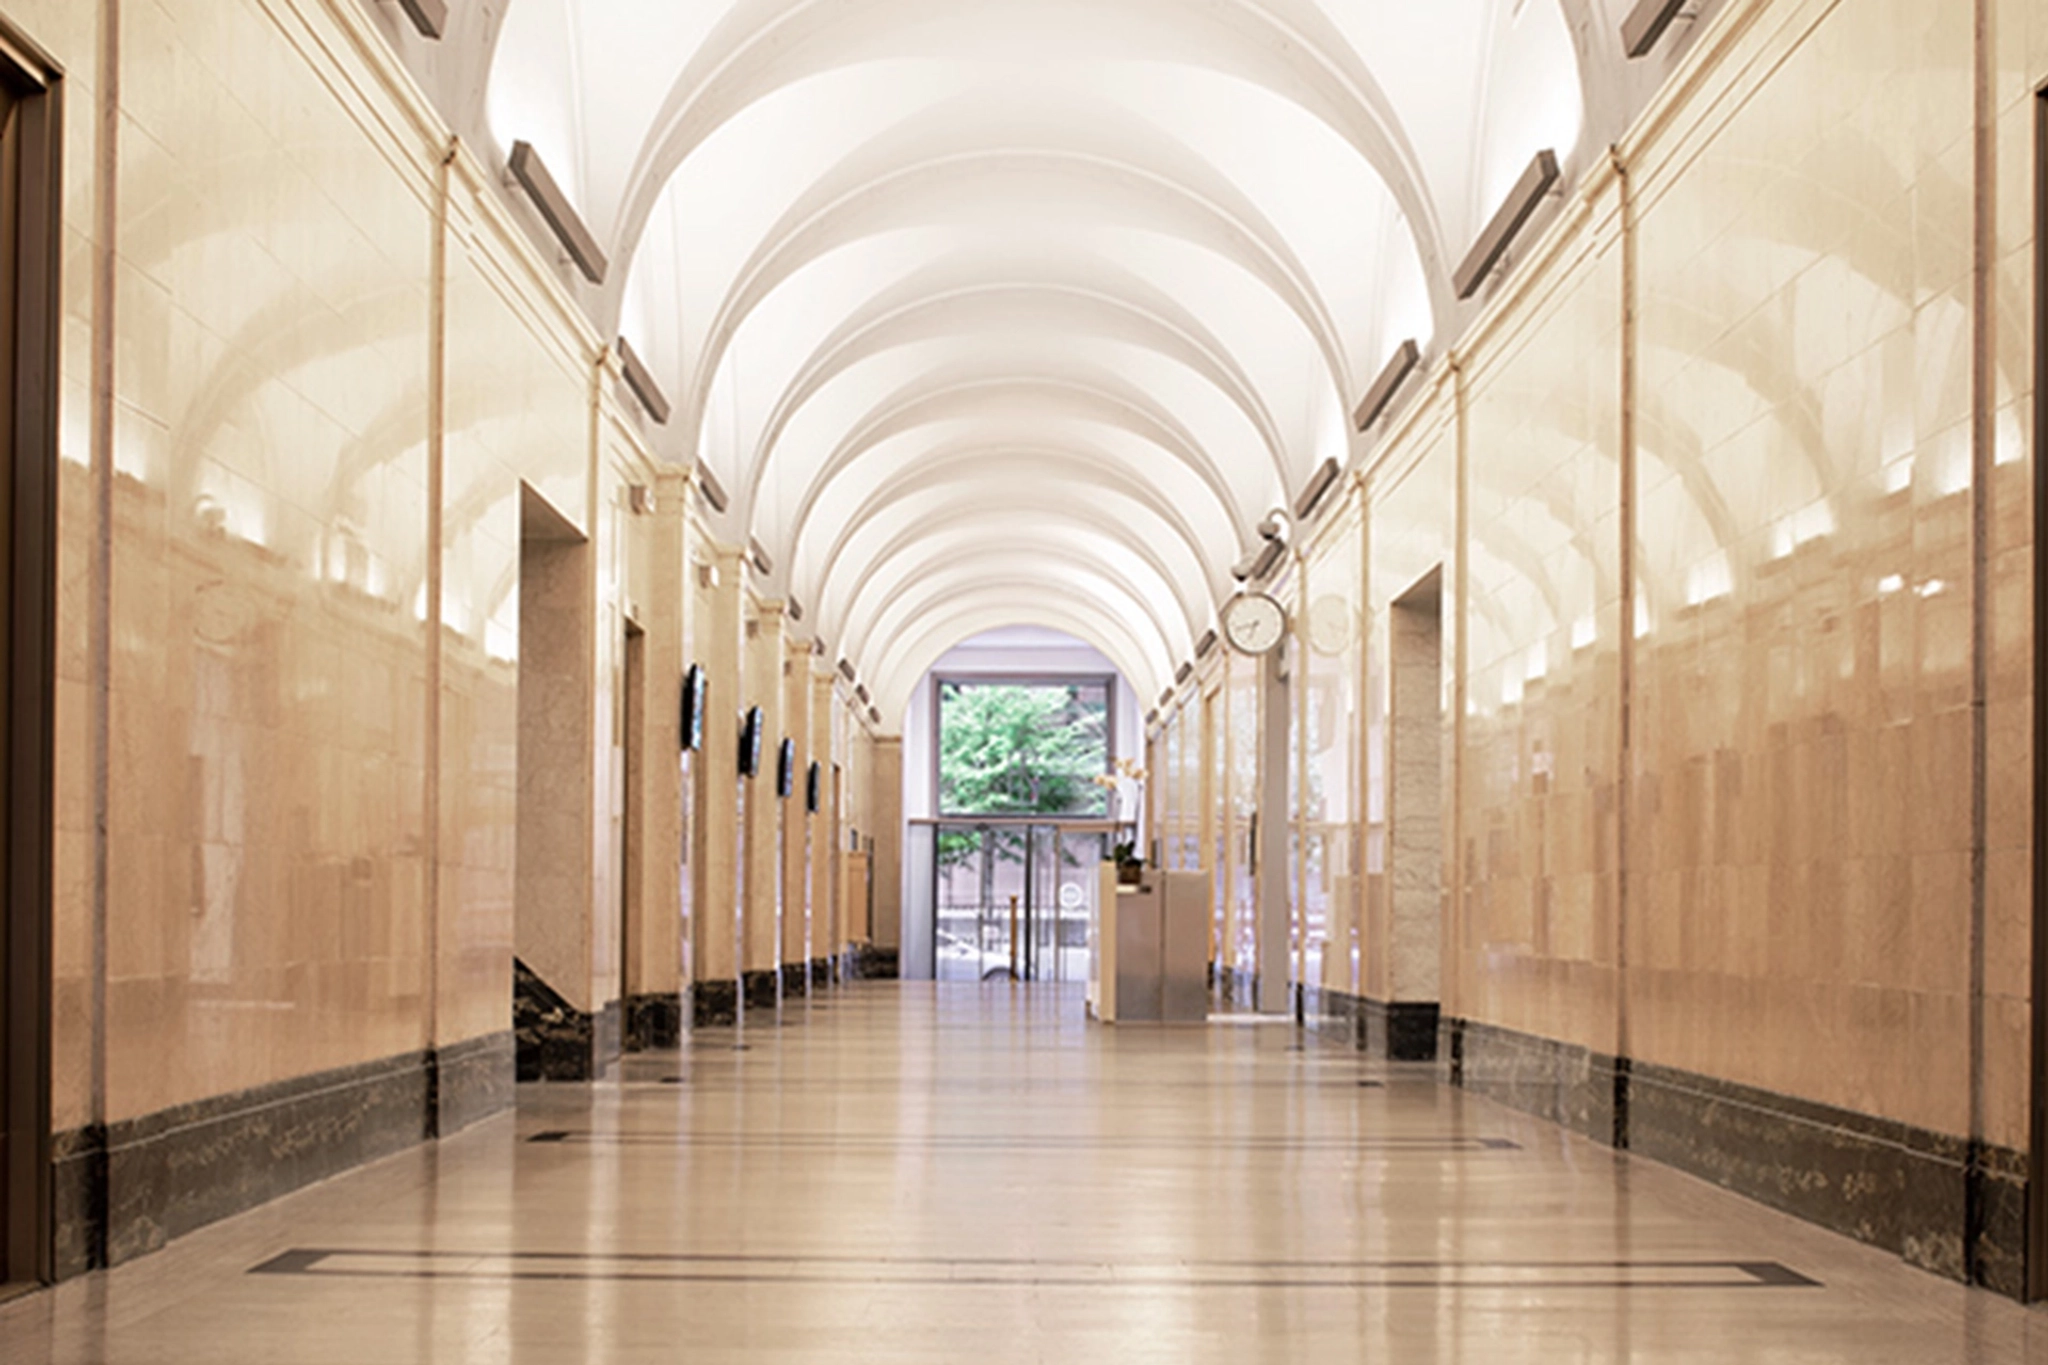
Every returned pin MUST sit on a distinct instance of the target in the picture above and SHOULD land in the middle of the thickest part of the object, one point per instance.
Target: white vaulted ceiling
(994, 312)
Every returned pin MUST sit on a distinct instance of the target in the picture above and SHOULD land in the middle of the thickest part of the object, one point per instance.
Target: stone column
(661, 602)
(828, 935)
(718, 581)
(761, 954)
(796, 820)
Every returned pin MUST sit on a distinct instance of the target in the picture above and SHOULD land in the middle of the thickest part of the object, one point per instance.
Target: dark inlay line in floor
(832, 1141)
(713, 1268)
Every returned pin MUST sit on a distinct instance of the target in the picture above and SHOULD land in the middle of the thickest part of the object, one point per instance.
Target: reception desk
(1149, 962)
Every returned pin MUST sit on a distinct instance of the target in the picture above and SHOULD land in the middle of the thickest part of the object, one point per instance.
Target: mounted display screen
(785, 769)
(696, 692)
(751, 726)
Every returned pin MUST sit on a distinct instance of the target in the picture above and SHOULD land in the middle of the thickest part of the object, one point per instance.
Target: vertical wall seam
(1624, 774)
(437, 425)
(1460, 677)
(1982, 397)
(100, 645)
(2037, 978)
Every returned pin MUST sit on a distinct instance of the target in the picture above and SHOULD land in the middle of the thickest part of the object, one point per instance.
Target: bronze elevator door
(12, 1067)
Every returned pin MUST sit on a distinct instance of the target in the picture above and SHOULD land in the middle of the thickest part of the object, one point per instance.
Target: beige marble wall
(1328, 677)
(659, 601)
(1415, 796)
(765, 654)
(554, 860)
(70, 32)
(828, 931)
(796, 821)
(1801, 827)
(884, 801)
(1410, 527)
(312, 601)
(1536, 846)
(1240, 704)
(2017, 41)
(717, 640)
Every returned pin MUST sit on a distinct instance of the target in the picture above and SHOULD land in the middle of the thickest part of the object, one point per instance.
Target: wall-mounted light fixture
(1206, 646)
(1268, 560)
(759, 555)
(1152, 719)
(555, 208)
(1646, 23)
(1319, 485)
(846, 669)
(861, 690)
(796, 609)
(642, 383)
(1181, 676)
(430, 17)
(875, 714)
(1407, 360)
(1514, 215)
(711, 488)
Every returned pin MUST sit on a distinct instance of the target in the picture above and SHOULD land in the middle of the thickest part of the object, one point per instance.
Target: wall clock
(1254, 623)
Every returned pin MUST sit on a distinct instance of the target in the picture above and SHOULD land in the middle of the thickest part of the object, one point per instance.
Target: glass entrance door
(1013, 901)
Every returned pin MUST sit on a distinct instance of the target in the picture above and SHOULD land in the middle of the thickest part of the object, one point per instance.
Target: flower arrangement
(1130, 867)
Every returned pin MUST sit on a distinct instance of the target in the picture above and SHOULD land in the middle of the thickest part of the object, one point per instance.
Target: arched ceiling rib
(1027, 311)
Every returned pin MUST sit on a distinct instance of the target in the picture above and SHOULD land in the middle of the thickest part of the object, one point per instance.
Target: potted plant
(1130, 868)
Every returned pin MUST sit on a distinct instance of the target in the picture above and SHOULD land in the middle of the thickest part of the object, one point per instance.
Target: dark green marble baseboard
(821, 972)
(652, 1022)
(763, 989)
(128, 1188)
(1940, 1202)
(470, 1081)
(556, 1040)
(796, 979)
(866, 962)
(714, 1004)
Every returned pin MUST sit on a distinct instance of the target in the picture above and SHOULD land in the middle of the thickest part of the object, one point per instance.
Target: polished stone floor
(973, 1175)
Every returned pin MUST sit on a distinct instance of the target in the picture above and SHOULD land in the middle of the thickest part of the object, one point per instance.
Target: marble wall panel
(1327, 684)
(266, 753)
(1543, 627)
(70, 33)
(1410, 506)
(1800, 834)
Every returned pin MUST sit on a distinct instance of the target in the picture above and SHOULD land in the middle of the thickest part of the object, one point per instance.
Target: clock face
(1254, 623)
(1329, 625)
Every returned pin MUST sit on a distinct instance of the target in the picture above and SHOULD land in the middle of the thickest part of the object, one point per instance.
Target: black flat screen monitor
(751, 726)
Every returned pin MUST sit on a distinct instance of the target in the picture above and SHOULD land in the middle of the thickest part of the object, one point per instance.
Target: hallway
(916, 1173)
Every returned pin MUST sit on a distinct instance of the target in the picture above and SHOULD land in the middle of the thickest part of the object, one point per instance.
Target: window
(1023, 746)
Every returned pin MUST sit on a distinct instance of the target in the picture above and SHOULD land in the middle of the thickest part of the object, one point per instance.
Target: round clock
(1329, 625)
(1254, 623)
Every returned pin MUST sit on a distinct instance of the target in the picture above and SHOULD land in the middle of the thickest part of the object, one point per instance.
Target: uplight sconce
(1319, 485)
(1646, 23)
(713, 491)
(556, 210)
(1206, 646)
(1406, 361)
(430, 17)
(759, 555)
(1513, 216)
(641, 382)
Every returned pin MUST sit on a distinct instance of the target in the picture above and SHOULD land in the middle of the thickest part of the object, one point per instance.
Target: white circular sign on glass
(1070, 897)
(1254, 623)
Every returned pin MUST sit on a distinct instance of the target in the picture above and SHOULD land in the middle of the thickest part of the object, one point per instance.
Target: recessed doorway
(30, 137)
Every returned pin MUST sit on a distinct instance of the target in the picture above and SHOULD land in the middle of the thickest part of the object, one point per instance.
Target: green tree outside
(1018, 749)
